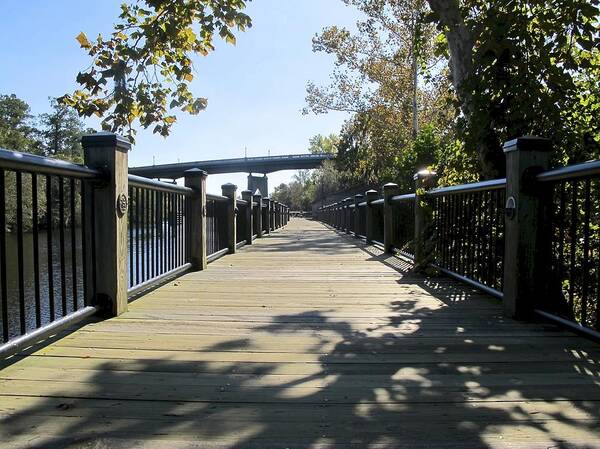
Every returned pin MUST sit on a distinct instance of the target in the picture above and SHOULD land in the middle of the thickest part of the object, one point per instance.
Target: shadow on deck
(306, 339)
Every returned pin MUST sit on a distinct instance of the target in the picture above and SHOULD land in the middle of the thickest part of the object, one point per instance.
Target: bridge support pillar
(108, 152)
(258, 200)
(371, 195)
(526, 237)
(424, 181)
(389, 190)
(247, 196)
(258, 183)
(230, 190)
(196, 180)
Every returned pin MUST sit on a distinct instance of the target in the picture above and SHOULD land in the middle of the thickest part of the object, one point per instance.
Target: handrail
(583, 170)
(213, 197)
(494, 184)
(159, 186)
(378, 202)
(402, 198)
(15, 160)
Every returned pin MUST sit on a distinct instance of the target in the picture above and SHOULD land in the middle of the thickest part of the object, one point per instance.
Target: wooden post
(424, 180)
(247, 196)
(389, 190)
(108, 152)
(526, 246)
(267, 202)
(371, 195)
(196, 180)
(229, 190)
(258, 200)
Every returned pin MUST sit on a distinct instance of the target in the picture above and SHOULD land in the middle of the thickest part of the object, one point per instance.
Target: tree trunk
(460, 44)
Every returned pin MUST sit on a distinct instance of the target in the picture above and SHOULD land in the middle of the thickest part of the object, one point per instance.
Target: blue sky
(255, 89)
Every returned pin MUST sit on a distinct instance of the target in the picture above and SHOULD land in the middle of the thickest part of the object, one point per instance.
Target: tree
(320, 144)
(387, 76)
(143, 70)
(16, 127)
(519, 67)
(61, 131)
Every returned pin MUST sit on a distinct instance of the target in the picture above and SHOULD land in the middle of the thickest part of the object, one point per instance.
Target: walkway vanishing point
(307, 338)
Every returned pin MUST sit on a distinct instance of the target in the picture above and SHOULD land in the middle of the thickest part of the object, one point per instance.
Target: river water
(61, 286)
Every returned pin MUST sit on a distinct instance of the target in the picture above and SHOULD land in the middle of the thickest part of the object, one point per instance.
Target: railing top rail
(213, 197)
(494, 184)
(402, 198)
(583, 170)
(378, 202)
(241, 202)
(152, 184)
(15, 160)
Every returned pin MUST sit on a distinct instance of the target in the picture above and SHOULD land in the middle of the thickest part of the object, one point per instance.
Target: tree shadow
(438, 366)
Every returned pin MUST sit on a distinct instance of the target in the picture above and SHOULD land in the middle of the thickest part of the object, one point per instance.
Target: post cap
(229, 186)
(390, 185)
(528, 143)
(424, 174)
(359, 196)
(106, 139)
(371, 192)
(192, 172)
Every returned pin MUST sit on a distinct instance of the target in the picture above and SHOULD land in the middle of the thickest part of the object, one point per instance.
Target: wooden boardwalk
(306, 339)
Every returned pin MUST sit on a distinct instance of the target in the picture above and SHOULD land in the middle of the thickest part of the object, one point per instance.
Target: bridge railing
(531, 239)
(76, 240)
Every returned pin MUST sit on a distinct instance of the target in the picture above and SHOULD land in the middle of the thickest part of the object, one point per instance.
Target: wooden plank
(327, 343)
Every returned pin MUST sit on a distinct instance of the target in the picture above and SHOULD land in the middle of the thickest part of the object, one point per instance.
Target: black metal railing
(467, 236)
(216, 224)
(43, 241)
(241, 224)
(265, 218)
(574, 240)
(377, 211)
(403, 232)
(157, 231)
(256, 215)
(361, 231)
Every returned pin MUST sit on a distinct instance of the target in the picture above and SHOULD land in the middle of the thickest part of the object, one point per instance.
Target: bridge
(263, 164)
(391, 320)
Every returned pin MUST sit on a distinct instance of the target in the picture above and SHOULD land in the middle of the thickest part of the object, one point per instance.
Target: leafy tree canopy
(16, 124)
(143, 70)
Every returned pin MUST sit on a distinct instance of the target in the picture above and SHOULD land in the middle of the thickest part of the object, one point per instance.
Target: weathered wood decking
(306, 339)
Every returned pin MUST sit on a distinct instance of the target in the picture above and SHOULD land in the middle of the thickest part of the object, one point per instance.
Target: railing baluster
(3, 283)
(20, 261)
(573, 246)
(49, 247)
(36, 249)
(61, 234)
(586, 252)
(73, 244)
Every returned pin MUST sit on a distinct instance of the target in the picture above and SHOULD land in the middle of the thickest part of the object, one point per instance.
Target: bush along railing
(531, 239)
(80, 239)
